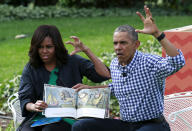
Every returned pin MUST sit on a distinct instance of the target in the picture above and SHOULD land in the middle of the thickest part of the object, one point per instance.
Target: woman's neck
(50, 67)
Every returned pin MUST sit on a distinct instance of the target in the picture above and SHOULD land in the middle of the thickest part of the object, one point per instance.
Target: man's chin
(120, 58)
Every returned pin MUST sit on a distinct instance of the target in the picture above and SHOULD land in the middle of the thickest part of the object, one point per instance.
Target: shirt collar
(131, 65)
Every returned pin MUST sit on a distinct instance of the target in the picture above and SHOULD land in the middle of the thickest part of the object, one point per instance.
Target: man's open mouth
(119, 54)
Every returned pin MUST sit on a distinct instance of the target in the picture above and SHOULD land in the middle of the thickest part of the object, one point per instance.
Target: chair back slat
(14, 106)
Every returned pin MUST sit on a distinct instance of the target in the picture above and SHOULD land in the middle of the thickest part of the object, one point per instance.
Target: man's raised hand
(149, 23)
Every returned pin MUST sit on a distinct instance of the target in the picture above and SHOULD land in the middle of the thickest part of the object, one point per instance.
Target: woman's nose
(44, 49)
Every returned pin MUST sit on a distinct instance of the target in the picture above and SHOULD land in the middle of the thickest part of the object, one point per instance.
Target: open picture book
(66, 102)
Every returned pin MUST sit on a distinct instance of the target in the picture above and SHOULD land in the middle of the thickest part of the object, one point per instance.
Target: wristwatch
(162, 36)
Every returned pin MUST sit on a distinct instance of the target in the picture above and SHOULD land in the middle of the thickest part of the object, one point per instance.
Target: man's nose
(118, 46)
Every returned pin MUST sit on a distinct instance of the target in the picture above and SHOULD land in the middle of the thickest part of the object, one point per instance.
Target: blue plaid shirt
(139, 86)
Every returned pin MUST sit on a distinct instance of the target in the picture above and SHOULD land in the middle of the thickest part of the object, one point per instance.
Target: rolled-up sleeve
(111, 88)
(178, 61)
(169, 65)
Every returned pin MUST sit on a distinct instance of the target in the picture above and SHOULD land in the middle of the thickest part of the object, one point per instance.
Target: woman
(50, 63)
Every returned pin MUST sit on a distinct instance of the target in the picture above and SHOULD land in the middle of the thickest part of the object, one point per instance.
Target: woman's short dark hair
(39, 35)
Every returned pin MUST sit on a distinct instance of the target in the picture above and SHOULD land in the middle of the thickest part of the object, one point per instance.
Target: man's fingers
(146, 11)
(76, 86)
(152, 19)
(141, 16)
(139, 31)
(81, 87)
(78, 89)
(74, 52)
(69, 42)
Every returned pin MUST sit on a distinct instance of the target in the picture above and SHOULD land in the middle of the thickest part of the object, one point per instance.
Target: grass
(96, 33)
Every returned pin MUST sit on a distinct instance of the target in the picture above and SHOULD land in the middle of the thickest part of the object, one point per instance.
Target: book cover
(45, 121)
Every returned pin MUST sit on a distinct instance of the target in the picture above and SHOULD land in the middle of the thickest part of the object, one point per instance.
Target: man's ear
(137, 43)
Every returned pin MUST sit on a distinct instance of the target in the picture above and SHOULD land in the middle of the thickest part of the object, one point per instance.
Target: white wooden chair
(178, 111)
(14, 106)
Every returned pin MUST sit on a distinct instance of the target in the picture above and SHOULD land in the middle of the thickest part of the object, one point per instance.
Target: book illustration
(60, 97)
(92, 98)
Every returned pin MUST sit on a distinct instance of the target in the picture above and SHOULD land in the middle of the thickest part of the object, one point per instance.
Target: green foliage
(184, 6)
(10, 126)
(179, 6)
(151, 46)
(28, 2)
(8, 13)
(100, 3)
(8, 88)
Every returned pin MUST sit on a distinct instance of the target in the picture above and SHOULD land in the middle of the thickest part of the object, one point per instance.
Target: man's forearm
(99, 66)
(170, 49)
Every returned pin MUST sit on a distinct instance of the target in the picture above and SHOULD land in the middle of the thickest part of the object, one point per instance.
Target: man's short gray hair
(129, 29)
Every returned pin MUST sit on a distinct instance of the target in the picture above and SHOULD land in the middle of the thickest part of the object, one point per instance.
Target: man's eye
(123, 42)
(115, 43)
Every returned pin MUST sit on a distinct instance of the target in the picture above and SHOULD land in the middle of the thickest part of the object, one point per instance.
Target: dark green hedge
(8, 13)
(181, 5)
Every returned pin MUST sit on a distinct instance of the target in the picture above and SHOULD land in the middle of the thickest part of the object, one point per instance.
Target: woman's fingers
(40, 105)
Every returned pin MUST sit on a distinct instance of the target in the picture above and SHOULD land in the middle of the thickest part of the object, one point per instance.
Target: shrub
(8, 13)
(8, 87)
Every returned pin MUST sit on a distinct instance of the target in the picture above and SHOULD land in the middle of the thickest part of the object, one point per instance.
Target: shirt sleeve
(169, 65)
(26, 94)
(111, 88)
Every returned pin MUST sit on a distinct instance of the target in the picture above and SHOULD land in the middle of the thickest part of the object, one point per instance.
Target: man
(138, 81)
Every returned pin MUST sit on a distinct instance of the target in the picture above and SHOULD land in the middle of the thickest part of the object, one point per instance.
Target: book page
(93, 102)
(61, 101)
